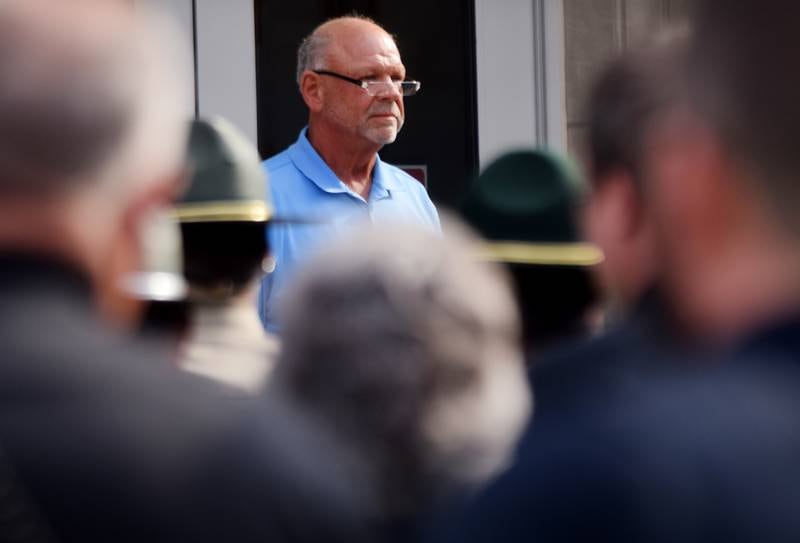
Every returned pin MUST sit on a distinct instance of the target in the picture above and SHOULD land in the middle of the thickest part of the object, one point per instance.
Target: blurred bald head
(83, 95)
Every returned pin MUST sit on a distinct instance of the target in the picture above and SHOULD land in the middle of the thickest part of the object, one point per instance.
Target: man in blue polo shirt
(352, 79)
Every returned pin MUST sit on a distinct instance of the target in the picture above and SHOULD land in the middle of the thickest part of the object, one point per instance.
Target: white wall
(226, 57)
(505, 61)
(226, 62)
(555, 77)
(520, 75)
(520, 68)
(181, 13)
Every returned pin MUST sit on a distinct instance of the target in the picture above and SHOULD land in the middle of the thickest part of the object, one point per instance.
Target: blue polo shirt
(304, 187)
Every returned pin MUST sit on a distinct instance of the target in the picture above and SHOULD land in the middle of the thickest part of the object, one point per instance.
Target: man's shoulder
(278, 163)
(565, 376)
(285, 179)
(577, 355)
(117, 413)
(712, 431)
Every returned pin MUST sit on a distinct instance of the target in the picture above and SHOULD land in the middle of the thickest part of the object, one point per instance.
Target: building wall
(223, 54)
(520, 60)
(181, 13)
(594, 32)
(506, 82)
(226, 62)
(536, 60)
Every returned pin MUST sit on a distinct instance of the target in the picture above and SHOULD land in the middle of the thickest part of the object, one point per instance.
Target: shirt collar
(311, 164)
(308, 161)
(383, 177)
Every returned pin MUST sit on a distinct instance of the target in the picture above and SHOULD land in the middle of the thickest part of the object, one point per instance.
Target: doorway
(437, 44)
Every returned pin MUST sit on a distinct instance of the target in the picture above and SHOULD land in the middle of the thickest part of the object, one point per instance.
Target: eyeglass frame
(366, 84)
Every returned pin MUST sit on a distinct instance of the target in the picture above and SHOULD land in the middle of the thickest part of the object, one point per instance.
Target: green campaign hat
(227, 181)
(524, 204)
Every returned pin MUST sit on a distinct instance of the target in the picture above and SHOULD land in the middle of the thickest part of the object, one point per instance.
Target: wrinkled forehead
(356, 50)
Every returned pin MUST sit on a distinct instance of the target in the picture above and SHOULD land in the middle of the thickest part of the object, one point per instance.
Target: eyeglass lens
(406, 88)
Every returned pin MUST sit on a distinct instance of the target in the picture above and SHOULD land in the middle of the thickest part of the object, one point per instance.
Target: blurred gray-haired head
(408, 348)
(93, 113)
(88, 94)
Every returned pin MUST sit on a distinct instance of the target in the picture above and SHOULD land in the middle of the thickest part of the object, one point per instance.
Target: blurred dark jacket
(111, 444)
(564, 377)
(708, 452)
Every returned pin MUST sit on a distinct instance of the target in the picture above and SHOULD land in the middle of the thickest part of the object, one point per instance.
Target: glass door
(438, 143)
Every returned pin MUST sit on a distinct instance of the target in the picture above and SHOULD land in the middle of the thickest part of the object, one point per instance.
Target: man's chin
(382, 136)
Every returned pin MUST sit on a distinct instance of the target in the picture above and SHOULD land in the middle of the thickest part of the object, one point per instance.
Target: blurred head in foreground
(91, 134)
(525, 204)
(408, 348)
(629, 94)
(723, 171)
(223, 216)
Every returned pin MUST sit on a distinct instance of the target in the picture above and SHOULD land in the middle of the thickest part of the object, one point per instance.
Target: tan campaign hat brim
(224, 211)
(542, 254)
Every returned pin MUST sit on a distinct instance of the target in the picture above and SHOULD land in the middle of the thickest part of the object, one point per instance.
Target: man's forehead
(362, 44)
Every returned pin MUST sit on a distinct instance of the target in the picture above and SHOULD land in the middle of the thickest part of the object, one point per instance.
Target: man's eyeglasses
(374, 88)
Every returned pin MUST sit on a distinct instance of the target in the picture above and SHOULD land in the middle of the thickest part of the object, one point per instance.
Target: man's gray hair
(407, 346)
(84, 94)
(629, 93)
(311, 53)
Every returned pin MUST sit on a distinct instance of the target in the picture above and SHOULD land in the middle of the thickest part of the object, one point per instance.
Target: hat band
(224, 211)
(545, 254)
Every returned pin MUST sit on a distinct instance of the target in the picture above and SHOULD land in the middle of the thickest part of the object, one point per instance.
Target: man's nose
(388, 90)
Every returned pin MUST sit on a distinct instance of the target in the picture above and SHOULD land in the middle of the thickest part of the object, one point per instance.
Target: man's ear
(312, 91)
(615, 205)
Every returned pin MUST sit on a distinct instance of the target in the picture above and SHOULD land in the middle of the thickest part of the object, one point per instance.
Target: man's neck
(729, 298)
(350, 158)
(39, 228)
